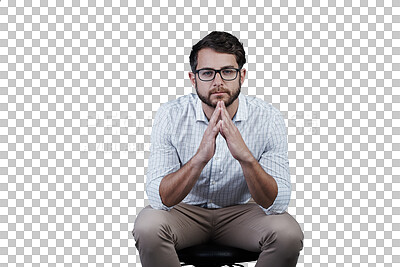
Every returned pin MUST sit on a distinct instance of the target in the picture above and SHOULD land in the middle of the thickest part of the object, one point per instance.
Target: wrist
(198, 161)
(247, 159)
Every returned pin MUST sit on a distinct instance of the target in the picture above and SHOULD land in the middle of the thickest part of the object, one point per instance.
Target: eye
(228, 72)
(207, 73)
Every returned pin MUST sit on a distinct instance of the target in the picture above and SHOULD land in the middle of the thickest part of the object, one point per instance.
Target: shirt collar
(200, 116)
(241, 113)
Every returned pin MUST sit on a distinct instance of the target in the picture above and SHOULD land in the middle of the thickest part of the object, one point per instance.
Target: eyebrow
(224, 67)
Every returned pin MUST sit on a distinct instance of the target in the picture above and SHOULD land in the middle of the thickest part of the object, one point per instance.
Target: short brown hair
(221, 42)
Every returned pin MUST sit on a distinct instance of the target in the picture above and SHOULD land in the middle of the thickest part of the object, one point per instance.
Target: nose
(217, 80)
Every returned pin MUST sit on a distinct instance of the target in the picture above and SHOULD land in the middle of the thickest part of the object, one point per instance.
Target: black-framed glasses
(227, 74)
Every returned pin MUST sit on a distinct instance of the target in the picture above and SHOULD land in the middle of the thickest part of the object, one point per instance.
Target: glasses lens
(206, 75)
(228, 74)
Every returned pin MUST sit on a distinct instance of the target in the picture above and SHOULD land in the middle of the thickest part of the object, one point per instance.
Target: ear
(242, 75)
(192, 78)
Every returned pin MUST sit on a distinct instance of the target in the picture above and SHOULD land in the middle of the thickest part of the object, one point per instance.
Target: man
(218, 168)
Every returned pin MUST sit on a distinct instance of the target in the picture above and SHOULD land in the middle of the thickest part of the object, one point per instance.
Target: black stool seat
(213, 255)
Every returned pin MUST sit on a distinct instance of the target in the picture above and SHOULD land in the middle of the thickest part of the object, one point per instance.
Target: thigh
(248, 227)
(185, 225)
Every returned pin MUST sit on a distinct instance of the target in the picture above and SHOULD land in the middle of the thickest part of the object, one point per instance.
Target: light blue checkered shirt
(176, 135)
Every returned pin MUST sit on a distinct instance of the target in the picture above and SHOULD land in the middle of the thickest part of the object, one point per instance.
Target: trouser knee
(154, 239)
(151, 229)
(288, 241)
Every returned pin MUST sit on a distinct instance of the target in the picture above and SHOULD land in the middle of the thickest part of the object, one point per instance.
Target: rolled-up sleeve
(163, 158)
(275, 162)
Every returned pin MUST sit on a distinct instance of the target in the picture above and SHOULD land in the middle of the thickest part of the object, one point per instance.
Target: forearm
(176, 186)
(262, 186)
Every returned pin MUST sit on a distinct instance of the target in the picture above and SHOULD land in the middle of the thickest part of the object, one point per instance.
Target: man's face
(210, 92)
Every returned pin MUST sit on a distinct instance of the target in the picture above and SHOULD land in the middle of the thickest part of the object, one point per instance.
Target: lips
(219, 92)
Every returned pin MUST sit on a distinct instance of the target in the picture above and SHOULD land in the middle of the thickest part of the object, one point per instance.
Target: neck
(231, 109)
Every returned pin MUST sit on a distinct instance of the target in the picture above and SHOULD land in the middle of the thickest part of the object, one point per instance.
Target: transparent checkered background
(81, 81)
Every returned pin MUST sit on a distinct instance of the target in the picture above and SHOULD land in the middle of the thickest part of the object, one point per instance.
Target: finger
(223, 105)
(221, 128)
(216, 114)
(217, 129)
(228, 125)
(217, 126)
(219, 104)
(225, 115)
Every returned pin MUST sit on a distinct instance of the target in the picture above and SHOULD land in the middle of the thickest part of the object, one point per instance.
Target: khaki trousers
(159, 234)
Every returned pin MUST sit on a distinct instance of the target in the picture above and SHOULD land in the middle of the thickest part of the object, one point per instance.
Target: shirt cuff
(281, 201)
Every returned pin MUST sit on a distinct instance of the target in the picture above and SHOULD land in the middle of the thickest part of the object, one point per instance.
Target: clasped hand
(220, 122)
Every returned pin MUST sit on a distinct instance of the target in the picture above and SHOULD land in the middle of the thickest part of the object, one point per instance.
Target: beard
(232, 95)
